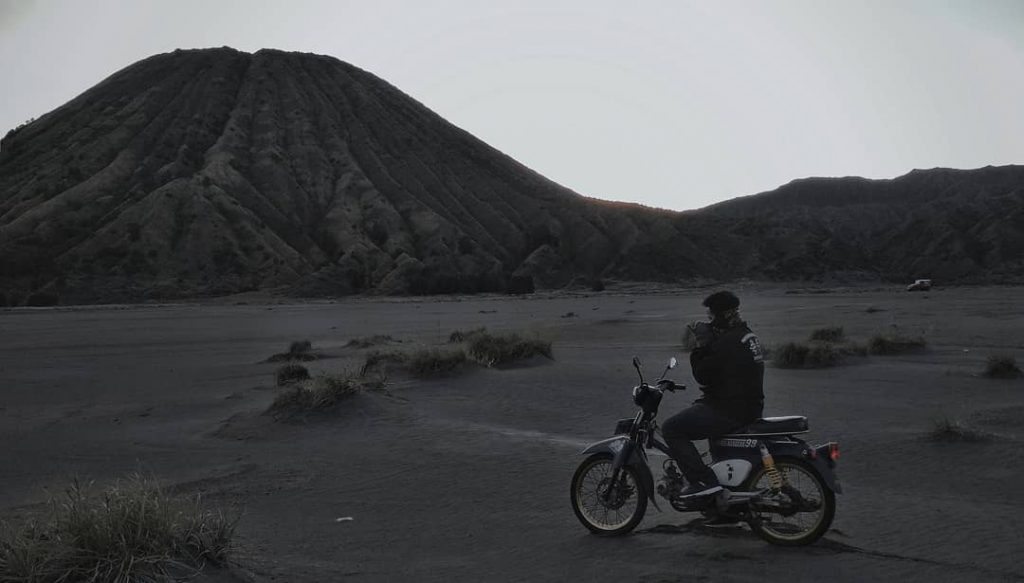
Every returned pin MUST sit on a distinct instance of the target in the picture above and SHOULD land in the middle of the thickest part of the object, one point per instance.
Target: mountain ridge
(214, 171)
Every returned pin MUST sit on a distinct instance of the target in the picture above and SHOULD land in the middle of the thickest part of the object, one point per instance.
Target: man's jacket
(730, 370)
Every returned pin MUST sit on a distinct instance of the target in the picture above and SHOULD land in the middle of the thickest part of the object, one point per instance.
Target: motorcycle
(781, 486)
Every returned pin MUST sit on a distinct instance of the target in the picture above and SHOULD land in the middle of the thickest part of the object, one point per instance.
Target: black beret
(721, 301)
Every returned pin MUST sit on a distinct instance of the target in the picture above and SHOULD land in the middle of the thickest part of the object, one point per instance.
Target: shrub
(895, 344)
(299, 350)
(853, 348)
(496, 350)
(789, 355)
(377, 357)
(832, 334)
(133, 532)
(1002, 366)
(290, 373)
(794, 355)
(462, 336)
(318, 394)
(434, 362)
(950, 431)
(369, 341)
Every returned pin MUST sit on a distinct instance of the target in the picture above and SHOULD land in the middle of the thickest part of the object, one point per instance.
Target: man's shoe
(722, 522)
(698, 489)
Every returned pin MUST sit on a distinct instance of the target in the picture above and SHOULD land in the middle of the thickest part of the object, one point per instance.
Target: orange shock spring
(774, 477)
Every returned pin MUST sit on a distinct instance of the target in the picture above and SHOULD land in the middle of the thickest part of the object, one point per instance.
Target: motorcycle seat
(773, 426)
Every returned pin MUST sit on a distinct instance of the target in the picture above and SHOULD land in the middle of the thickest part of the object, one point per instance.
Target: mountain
(215, 171)
(951, 225)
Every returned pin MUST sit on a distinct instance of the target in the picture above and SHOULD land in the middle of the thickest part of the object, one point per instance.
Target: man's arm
(707, 366)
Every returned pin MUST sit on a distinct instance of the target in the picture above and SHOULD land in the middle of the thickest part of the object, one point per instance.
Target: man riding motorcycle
(728, 362)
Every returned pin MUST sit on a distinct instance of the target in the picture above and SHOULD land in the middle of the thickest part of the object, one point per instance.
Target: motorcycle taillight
(833, 451)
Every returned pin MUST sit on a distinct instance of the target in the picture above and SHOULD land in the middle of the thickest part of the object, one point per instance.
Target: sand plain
(466, 478)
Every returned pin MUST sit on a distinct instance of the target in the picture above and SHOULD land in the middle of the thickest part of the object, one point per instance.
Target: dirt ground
(467, 477)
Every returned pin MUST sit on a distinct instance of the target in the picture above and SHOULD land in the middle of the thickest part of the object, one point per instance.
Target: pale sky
(674, 104)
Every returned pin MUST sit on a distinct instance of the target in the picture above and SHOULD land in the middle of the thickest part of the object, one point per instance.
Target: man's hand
(667, 385)
(701, 333)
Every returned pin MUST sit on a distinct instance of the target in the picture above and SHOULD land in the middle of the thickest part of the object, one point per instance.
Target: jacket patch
(754, 345)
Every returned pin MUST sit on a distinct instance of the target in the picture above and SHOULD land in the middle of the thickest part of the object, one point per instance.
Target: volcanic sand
(467, 477)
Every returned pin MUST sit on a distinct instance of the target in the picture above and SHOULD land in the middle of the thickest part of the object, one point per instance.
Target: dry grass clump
(482, 347)
(1002, 366)
(951, 431)
(369, 341)
(435, 362)
(301, 350)
(466, 335)
(895, 343)
(320, 393)
(376, 358)
(290, 373)
(501, 349)
(830, 334)
(134, 531)
(796, 355)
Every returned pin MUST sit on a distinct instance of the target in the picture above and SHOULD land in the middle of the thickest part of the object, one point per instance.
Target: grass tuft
(830, 334)
(301, 350)
(950, 431)
(375, 359)
(500, 349)
(133, 531)
(797, 355)
(369, 341)
(1002, 366)
(320, 393)
(466, 335)
(290, 373)
(434, 362)
(895, 343)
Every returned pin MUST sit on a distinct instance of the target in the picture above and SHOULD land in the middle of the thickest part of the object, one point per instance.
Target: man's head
(723, 308)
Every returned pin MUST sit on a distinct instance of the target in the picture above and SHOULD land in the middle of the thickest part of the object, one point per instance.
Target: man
(728, 362)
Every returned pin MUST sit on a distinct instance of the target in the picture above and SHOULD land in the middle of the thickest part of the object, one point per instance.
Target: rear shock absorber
(774, 477)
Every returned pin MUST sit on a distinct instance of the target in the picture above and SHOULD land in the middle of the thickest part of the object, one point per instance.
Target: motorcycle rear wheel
(619, 513)
(797, 528)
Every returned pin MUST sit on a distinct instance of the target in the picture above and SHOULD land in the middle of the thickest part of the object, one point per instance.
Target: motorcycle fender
(795, 450)
(827, 474)
(625, 453)
(824, 471)
(612, 445)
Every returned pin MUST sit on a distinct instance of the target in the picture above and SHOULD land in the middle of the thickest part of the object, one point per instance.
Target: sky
(674, 104)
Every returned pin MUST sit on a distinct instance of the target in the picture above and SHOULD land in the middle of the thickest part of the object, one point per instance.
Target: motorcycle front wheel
(607, 509)
(800, 513)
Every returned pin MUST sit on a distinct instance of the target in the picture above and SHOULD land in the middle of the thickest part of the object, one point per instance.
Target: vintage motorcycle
(780, 485)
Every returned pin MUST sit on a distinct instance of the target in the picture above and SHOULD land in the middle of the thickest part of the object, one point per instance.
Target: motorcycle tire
(810, 482)
(602, 517)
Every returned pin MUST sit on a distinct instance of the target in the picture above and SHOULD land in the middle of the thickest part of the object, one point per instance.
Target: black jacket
(730, 370)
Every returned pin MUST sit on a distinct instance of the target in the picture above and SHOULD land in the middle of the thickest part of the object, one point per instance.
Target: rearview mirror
(672, 362)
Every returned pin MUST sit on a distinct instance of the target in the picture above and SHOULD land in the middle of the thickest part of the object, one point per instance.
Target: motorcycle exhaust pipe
(730, 498)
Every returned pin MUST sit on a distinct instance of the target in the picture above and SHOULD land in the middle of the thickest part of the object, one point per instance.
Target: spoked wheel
(607, 509)
(797, 515)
